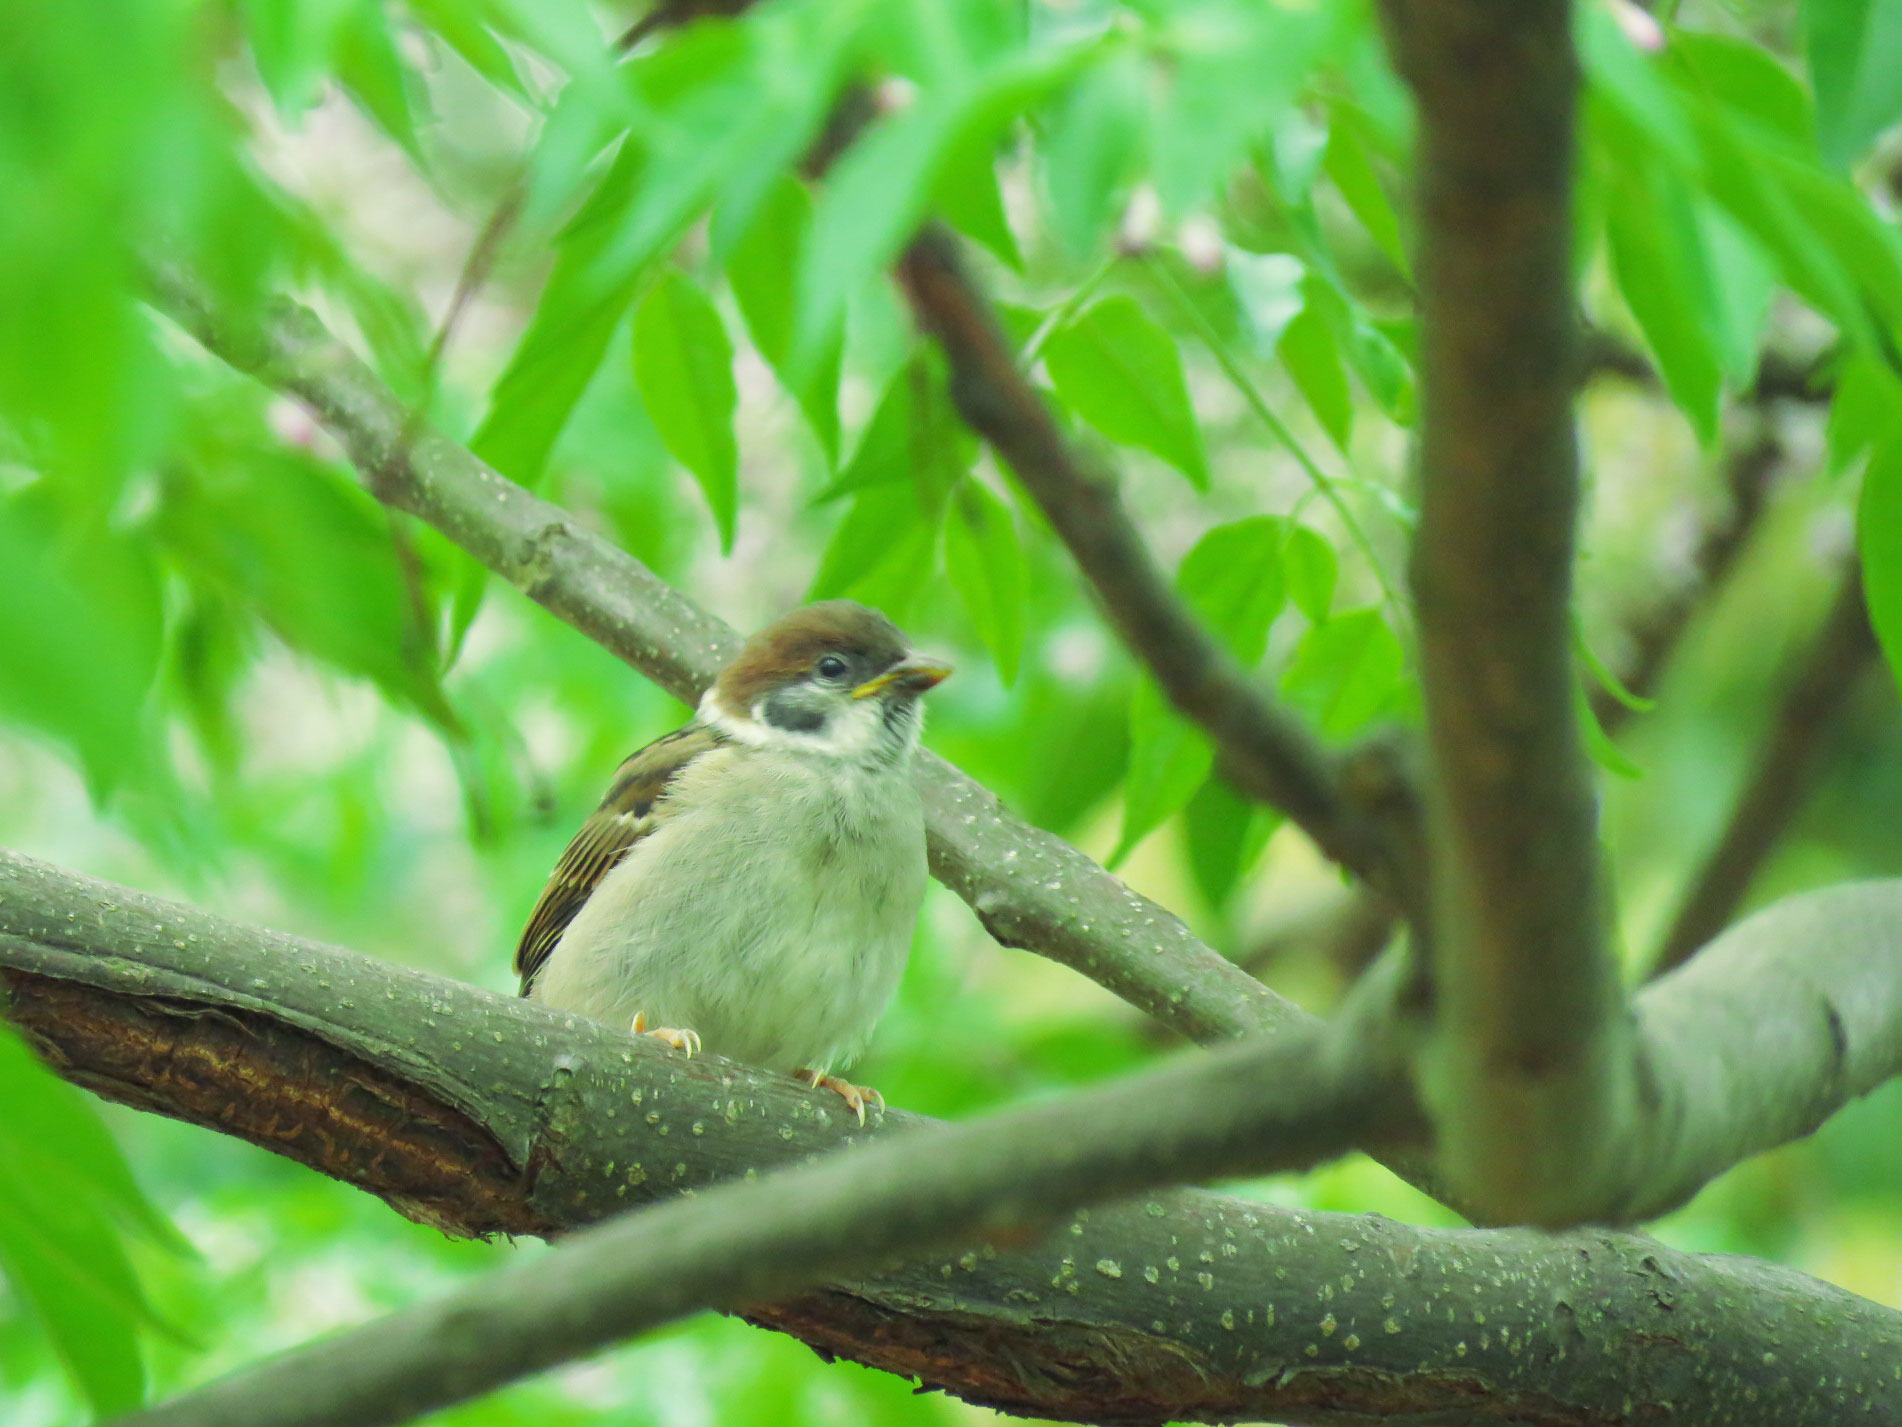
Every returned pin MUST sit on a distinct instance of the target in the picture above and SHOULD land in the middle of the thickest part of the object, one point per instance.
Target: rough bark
(1529, 1074)
(484, 1114)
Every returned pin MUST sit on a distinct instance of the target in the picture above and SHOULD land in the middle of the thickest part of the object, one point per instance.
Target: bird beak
(913, 676)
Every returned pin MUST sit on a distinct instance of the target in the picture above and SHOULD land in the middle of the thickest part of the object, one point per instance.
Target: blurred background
(228, 676)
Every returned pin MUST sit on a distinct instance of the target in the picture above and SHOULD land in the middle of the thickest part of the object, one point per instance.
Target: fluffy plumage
(755, 877)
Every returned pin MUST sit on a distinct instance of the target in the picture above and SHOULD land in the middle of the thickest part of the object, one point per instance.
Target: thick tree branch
(1355, 814)
(1002, 1179)
(1529, 1076)
(1785, 771)
(485, 1114)
(1029, 888)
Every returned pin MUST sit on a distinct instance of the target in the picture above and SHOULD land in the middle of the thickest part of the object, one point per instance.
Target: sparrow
(751, 881)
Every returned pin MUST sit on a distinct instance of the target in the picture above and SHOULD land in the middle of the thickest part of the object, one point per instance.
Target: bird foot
(854, 1096)
(687, 1042)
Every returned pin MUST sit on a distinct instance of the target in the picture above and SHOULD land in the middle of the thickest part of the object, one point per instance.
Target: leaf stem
(1324, 484)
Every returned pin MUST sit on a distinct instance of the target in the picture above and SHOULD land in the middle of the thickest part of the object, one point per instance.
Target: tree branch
(1786, 769)
(483, 1114)
(1529, 1073)
(1029, 888)
(1264, 749)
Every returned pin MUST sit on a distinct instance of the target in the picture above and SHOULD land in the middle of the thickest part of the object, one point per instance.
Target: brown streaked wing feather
(626, 815)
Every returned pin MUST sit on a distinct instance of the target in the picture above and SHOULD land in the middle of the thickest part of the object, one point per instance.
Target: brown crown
(787, 647)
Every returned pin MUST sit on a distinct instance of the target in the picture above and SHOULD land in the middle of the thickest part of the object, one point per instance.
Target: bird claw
(686, 1042)
(855, 1096)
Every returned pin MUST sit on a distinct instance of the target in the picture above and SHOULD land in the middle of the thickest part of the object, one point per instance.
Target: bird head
(833, 678)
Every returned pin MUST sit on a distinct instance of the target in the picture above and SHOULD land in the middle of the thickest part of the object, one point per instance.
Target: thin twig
(1349, 929)
(1325, 485)
(1657, 632)
(1264, 749)
(1787, 767)
(1780, 375)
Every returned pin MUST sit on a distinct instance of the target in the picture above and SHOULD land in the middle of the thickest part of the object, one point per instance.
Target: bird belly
(776, 925)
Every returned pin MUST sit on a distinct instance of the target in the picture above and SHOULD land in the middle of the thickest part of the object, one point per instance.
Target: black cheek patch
(784, 710)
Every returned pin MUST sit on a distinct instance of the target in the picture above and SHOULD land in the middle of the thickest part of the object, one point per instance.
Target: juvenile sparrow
(751, 881)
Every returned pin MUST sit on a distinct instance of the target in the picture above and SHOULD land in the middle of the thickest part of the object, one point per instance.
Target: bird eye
(832, 667)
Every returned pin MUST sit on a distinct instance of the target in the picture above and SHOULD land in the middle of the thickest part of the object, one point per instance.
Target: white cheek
(856, 730)
(853, 731)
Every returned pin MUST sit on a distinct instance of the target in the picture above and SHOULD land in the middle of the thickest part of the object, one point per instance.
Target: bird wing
(634, 807)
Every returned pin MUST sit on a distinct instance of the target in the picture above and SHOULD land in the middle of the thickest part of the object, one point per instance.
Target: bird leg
(854, 1095)
(687, 1042)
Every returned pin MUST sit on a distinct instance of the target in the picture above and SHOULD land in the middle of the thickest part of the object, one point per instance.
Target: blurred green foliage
(228, 674)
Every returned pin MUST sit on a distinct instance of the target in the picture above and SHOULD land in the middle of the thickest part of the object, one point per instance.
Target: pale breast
(772, 915)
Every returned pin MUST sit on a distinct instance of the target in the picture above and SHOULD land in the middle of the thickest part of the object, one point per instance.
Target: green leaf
(1879, 540)
(1307, 348)
(683, 367)
(1843, 223)
(915, 437)
(78, 1288)
(369, 67)
(1865, 411)
(1629, 85)
(557, 356)
(762, 266)
(1169, 758)
(714, 118)
(967, 197)
(1232, 579)
(1020, 323)
(717, 119)
(913, 454)
(873, 201)
(66, 1197)
(58, 1128)
(1855, 62)
(292, 42)
(1346, 672)
(567, 35)
(1225, 834)
(1750, 186)
(1310, 568)
(1598, 744)
(313, 558)
(1744, 285)
(1094, 149)
(1234, 68)
(986, 565)
(1658, 257)
(83, 637)
(1350, 164)
(464, 32)
(1754, 84)
(1754, 139)
(876, 195)
(881, 551)
(1603, 674)
(1121, 372)
(575, 131)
